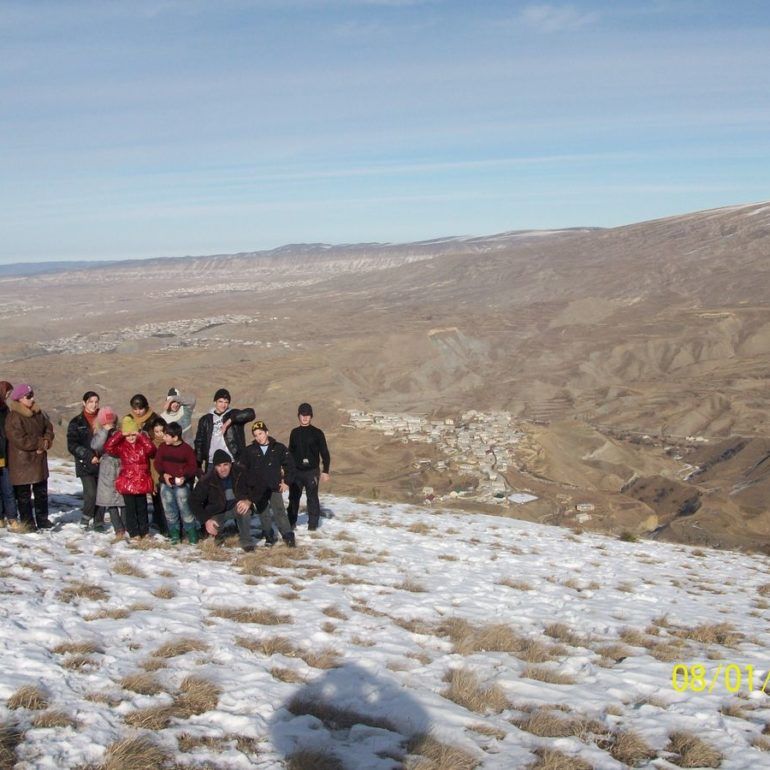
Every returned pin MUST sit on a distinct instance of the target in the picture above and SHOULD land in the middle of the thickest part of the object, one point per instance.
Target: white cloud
(557, 18)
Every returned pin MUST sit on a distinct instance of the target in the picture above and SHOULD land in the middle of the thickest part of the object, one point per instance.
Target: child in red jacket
(176, 466)
(134, 481)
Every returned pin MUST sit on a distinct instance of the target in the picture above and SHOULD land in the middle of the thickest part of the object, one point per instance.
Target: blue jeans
(176, 505)
(6, 494)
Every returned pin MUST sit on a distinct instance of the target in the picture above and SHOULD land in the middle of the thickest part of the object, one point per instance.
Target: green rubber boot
(173, 535)
(191, 532)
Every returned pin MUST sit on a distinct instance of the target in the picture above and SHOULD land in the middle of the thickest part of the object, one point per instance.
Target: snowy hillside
(394, 636)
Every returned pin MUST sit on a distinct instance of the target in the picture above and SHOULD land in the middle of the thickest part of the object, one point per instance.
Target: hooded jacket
(30, 435)
(109, 468)
(134, 476)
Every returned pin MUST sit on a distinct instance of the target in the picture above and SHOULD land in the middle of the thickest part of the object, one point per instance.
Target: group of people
(193, 485)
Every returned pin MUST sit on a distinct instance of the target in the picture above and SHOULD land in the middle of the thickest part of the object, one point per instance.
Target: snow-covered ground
(355, 642)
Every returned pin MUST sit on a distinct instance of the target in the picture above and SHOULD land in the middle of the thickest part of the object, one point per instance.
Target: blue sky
(173, 127)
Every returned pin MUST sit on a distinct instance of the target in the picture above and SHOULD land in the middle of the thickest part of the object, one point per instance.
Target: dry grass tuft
(615, 652)
(667, 651)
(543, 674)
(217, 743)
(77, 662)
(544, 723)
(249, 615)
(712, 633)
(307, 759)
(420, 528)
(111, 699)
(164, 592)
(734, 709)
(495, 637)
(466, 690)
(692, 751)
(551, 759)
(150, 544)
(144, 683)
(630, 748)
(334, 612)
(355, 560)
(519, 585)
(488, 730)
(210, 550)
(28, 697)
(123, 567)
(180, 647)
(565, 634)
(634, 637)
(761, 744)
(324, 658)
(152, 717)
(10, 737)
(413, 625)
(136, 753)
(286, 675)
(409, 584)
(335, 717)
(49, 719)
(81, 590)
(274, 645)
(278, 558)
(434, 755)
(362, 607)
(153, 664)
(198, 695)
(77, 648)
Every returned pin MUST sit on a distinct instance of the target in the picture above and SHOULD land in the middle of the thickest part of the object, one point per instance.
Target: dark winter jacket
(3, 440)
(134, 476)
(271, 467)
(307, 444)
(208, 497)
(234, 438)
(79, 437)
(27, 430)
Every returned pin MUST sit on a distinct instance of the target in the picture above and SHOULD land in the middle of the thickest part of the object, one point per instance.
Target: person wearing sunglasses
(30, 434)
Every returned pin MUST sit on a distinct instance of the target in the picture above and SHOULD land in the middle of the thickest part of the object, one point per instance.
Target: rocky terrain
(633, 361)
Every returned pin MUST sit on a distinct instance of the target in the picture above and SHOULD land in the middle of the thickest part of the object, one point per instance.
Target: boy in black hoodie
(307, 446)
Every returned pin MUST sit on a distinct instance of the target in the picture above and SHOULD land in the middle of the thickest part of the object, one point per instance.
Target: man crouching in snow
(224, 493)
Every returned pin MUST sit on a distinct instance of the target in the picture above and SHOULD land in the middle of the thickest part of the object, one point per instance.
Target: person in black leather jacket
(221, 428)
(80, 431)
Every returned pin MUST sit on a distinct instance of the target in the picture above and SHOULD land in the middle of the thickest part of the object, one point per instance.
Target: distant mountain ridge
(294, 251)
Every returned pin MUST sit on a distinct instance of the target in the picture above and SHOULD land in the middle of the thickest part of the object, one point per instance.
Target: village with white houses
(477, 444)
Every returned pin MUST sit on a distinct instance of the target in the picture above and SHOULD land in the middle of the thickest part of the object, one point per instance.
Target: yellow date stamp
(697, 677)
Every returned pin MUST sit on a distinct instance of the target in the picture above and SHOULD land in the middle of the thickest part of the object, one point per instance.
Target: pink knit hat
(21, 390)
(106, 415)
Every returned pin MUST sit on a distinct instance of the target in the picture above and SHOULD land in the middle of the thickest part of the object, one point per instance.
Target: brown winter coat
(27, 430)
